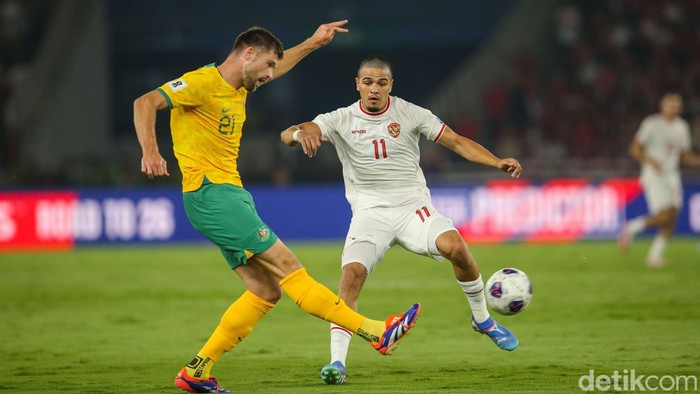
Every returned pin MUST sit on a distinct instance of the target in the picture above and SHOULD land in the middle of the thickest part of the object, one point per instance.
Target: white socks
(658, 245)
(635, 226)
(474, 291)
(340, 341)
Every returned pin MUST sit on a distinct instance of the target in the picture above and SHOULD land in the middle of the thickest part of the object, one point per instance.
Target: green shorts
(226, 215)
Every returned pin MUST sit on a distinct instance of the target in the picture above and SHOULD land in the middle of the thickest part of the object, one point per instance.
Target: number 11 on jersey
(376, 144)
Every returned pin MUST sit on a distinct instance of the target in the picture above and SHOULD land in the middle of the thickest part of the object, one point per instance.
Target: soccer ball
(508, 291)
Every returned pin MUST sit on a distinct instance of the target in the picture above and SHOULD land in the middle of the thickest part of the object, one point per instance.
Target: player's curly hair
(258, 37)
(379, 62)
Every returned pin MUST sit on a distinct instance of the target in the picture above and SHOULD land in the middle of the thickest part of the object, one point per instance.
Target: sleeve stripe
(440, 133)
(167, 99)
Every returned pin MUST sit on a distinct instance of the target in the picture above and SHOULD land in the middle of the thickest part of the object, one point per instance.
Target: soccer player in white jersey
(376, 139)
(660, 145)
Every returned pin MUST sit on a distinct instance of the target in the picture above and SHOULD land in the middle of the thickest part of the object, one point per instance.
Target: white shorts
(415, 226)
(662, 192)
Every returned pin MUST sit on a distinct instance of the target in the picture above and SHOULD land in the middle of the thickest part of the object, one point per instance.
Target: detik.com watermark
(629, 380)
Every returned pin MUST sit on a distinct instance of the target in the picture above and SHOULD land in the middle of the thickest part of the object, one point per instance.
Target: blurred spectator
(22, 23)
(568, 27)
(495, 107)
(600, 71)
(610, 61)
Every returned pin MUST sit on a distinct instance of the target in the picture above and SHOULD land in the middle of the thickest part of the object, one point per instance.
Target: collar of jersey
(382, 112)
(221, 77)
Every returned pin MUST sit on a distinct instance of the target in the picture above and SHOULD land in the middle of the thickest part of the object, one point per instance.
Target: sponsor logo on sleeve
(177, 85)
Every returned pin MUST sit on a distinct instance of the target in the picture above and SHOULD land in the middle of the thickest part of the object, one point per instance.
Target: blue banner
(555, 210)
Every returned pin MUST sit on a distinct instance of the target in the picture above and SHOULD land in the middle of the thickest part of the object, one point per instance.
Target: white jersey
(663, 141)
(379, 151)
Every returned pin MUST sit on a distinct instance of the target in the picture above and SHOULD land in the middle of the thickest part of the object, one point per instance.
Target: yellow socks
(200, 366)
(371, 330)
(236, 324)
(318, 300)
(242, 315)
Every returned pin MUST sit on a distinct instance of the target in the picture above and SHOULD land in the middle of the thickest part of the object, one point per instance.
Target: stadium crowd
(578, 102)
(22, 25)
(609, 64)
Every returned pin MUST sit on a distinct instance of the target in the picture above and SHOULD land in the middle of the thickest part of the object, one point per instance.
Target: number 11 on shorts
(420, 214)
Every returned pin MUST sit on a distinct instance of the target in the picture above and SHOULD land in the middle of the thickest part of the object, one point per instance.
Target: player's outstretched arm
(323, 35)
(145, 108)
(474, 152)
(690, 158)
(308, 135)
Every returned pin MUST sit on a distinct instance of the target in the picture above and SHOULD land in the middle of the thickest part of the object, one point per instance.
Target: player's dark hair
(671, 93)
(375, 62)
(258, 37)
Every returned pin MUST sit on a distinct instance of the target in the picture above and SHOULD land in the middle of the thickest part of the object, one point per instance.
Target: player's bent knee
(354, 272)
(271, 294)
(668, 212)
(452, 246)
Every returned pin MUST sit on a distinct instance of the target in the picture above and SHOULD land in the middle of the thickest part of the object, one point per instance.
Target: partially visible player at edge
(660, 145)
(208, 111)
(376, 139)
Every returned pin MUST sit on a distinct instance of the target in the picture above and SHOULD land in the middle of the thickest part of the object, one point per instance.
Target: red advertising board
(37, 220)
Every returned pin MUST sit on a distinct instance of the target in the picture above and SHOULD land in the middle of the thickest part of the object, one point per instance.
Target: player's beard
(372, 108)
(250, 83)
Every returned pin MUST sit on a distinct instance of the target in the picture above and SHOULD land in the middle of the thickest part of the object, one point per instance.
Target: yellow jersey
(206, 122)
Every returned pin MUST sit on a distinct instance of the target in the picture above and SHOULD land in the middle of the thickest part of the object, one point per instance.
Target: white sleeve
(330, 124)
(427, 124)
(686, 144)
(644, 132)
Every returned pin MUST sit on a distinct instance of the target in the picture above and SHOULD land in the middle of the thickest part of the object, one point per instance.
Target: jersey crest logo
(394, 129)
(263, 233)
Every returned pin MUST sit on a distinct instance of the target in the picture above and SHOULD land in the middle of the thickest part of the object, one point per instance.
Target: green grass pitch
(124, 320)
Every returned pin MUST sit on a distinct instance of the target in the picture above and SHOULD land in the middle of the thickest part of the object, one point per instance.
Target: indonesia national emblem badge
(394, 129)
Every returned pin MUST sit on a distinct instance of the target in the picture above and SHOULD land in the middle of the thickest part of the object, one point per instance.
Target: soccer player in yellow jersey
(207, 115)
